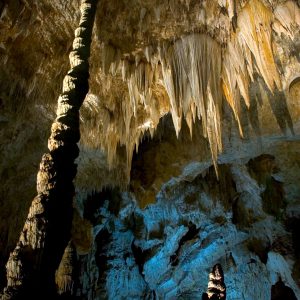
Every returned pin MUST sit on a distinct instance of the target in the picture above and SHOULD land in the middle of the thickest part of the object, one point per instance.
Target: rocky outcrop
(168, 249)
(152, 218)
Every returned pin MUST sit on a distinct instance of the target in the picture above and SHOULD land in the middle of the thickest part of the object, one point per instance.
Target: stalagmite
(172, 84)
(66, 272)
(31, 266)
(216, 287)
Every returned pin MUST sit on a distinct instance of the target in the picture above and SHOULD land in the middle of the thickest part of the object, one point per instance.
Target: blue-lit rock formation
(167, 250)
(189, 147)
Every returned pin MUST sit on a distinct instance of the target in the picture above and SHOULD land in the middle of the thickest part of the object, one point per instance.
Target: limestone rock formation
(216, 286)
(189, 149)
(31, 265)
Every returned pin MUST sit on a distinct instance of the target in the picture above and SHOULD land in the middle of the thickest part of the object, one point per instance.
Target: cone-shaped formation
(31, 266)
(189, 76)
(66, 272)
(216, 286)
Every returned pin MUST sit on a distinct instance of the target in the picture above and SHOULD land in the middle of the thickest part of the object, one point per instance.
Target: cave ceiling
(149, 58)
(183, 81)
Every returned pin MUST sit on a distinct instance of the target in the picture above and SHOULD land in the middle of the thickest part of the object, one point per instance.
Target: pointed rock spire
(216, 289)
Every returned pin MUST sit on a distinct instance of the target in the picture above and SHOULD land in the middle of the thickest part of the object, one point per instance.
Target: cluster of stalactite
(190, 76)
(196, 74)
(31, 266)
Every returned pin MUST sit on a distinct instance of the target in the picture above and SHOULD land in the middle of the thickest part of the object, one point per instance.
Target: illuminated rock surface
(197, 87)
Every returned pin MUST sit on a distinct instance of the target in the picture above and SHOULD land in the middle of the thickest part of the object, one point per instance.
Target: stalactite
(287, 17)
(194, 91)
(190, 76)
(191, 70)
(212, 50)
(31, 266)
(255, 33)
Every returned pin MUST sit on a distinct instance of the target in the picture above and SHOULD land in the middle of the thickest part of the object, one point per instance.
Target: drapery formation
(31, 266)
(192, 75)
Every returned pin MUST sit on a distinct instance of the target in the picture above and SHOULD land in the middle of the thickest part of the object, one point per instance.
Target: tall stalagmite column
(31, 266)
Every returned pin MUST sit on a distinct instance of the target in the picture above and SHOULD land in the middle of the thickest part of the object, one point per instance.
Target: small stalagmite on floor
(216, 289)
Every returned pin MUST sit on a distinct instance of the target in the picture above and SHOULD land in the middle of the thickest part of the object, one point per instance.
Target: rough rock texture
(216, 286)
(167, 250)
(154, 223)
(45, 235)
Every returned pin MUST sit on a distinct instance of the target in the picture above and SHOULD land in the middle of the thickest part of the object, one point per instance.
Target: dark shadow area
(193, 231)
(143, 161)
(295, 81)
(260, 247)
(261, 169)
(141, 256)
(278, 104)
(281, 112)
(1, 7)
(102, 240)
(255, 102)
(163, 156)
(293, 225)
(280, 291)
(273, 197)
(279, 107)
(222, 188)
(96, 200)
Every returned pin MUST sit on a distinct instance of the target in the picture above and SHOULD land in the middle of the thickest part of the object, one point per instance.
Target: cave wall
(169, 187)
(166, 249)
